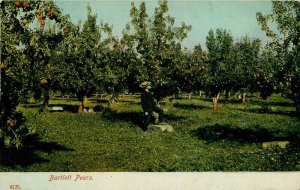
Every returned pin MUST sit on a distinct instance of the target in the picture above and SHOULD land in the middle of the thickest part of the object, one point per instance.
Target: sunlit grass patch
(111, 139)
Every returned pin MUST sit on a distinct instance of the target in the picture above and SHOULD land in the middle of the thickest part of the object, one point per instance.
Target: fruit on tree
(18, 3)
(25, 21)
(53, 15)
(66, 29)
(39, 12)
(39, 16)
(49, 14)
(26, 25)
(48, 9)
(10, 123)
(42, 21)
(11, 27)
(43, 81)
(26, 5)
(2, 66)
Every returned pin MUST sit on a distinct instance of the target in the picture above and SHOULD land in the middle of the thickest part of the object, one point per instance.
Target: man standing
(149, 106)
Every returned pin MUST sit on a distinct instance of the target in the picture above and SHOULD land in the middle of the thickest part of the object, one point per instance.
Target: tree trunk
(111, 99)
(176, 95)
(227, 94)
(97, 97)
(101, 96)
(218, 96)
(297, 102)
(208, 94)
(295, 88)
(1, 102)
(200, 94)
(0, 85)
(46, 99)
(244, 97)
(215, 101)
(46, 95)
(190, 95)
(81, 104)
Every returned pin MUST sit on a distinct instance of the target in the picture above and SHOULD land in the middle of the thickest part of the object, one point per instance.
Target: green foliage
(220, 47)
(285, 43)
(15, 132)
(248, 66)
(191, 72)
(77, 69)
(22, 60)
(158, 44)
(265, 75)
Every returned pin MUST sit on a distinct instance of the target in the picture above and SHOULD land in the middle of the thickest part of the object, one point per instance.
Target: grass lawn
(110, 139)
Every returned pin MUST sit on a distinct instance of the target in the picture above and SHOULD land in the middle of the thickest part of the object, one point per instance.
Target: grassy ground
(110, 139)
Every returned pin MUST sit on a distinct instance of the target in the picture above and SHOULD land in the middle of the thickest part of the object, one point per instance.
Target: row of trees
(43, 51)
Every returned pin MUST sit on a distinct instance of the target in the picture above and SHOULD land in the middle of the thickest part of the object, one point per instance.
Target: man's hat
(145, 84)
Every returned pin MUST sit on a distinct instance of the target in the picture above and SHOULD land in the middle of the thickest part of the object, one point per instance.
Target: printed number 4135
(15, 187)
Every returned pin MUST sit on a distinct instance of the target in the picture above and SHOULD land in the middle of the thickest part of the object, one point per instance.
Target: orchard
(44, 54)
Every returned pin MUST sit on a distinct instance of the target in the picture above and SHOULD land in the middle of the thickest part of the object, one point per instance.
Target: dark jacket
(148, 102)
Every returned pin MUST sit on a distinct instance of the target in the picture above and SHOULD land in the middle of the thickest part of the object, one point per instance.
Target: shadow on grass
(172, 117)
(265, 107)
(252, 102)
(66, 107)
(268, 110)
(222, 101)
(133, 117)
(74, 108)
(28, 155)
(271, 103)
(31, 105)
(216, 132)
(99, 100)
(132, 102)
(189, 106)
